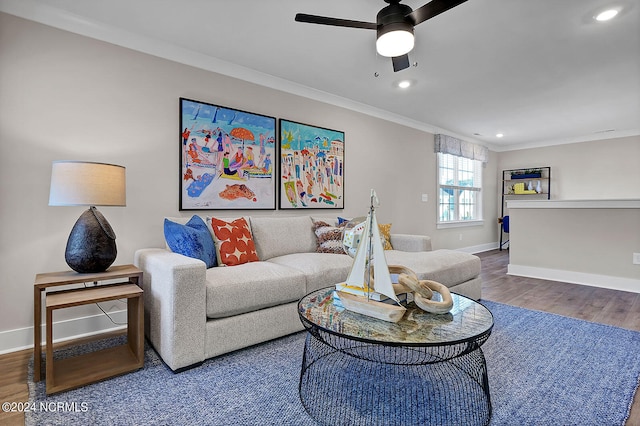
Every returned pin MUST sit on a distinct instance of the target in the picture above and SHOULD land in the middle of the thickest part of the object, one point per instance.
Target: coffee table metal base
(347, 382)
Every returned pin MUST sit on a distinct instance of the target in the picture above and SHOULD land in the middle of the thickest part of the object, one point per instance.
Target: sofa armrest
(175, 305)
(407, 242)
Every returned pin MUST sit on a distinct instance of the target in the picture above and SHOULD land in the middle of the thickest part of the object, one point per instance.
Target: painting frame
(219, 168)
(312, 165)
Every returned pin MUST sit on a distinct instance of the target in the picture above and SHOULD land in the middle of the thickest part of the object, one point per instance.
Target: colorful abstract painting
(226, 158)
(311, 167)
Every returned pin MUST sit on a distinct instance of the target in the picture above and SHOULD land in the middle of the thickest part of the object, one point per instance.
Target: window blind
(449, 145)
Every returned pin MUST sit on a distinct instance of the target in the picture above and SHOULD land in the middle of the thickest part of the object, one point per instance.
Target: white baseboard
(479, 248)
(594, 280)
(22, 338)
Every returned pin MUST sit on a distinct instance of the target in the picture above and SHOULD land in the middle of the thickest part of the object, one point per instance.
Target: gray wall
(595, 170)
(66, 96)
(596, 241)
(580, 245)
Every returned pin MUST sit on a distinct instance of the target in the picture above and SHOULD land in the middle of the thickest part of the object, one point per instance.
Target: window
(459, 190)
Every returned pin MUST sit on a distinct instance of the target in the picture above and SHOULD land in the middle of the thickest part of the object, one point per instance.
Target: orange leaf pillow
(234, 242)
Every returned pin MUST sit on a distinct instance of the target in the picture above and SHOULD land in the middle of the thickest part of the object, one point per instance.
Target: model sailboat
(369, 281)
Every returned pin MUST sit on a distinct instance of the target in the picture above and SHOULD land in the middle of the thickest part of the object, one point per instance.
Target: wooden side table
(84, 369)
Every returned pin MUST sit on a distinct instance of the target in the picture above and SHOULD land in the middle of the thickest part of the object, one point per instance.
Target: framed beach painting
(226, 158)
(311, 167)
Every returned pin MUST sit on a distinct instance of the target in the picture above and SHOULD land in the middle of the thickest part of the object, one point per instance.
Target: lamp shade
(79, 183)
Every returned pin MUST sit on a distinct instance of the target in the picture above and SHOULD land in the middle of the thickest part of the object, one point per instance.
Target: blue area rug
(544, 369)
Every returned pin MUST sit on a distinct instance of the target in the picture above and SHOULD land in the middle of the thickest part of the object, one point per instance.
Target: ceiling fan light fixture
(395, 39)
(394, 27)
(606, 15)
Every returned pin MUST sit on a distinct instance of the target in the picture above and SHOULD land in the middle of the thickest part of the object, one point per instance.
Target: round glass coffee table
(425, 369)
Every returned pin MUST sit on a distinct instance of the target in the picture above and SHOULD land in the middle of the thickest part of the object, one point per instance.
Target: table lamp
(91, 246)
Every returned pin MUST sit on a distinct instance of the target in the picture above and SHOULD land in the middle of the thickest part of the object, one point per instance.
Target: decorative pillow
(342, 220)
(385, 235)
(329, 238)
(234, 243)
(192, 239)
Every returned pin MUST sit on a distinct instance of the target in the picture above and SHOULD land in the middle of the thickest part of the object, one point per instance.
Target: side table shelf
(68, 373)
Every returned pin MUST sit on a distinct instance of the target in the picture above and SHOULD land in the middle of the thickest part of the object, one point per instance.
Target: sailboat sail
(370, 269)
(356, 276)
(370, 250)
(382, 278)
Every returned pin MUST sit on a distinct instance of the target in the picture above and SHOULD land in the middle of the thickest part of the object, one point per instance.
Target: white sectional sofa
(193, 313)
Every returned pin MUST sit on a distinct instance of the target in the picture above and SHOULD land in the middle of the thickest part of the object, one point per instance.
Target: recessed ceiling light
(606, 15)
(404, 84)
(499, 135)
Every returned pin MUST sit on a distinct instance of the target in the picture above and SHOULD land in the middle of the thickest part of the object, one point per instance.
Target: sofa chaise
(193, 313)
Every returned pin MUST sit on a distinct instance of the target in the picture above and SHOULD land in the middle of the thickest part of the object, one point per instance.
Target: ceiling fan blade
(400, 62)
(336, 22)
(433, 8)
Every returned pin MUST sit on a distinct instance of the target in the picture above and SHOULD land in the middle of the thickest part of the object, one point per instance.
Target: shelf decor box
(535, 175)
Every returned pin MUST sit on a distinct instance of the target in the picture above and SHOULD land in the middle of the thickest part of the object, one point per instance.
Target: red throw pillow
(234, 242)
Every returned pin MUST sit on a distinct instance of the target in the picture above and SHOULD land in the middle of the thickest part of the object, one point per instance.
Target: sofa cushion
(448, 267)
(251, 286)
(191, 239)
(277, 236)
(234, 242)
(320, 269)
(407, 242)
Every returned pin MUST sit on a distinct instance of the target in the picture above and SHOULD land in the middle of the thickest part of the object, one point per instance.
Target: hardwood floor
(13, 384)
(618, 308)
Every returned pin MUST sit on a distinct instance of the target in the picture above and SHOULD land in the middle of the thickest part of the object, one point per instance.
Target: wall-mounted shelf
(523, 184)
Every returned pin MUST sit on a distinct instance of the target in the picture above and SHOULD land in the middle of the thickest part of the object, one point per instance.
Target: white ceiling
(540, 71)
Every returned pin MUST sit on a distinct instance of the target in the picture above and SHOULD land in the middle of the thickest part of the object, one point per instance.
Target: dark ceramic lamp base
(92, 243)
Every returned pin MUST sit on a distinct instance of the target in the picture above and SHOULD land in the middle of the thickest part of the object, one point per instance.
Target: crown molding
(553, 142)
(64, 20)
(61, 19)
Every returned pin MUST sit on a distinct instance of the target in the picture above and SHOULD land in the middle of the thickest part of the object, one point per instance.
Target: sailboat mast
(370, 248)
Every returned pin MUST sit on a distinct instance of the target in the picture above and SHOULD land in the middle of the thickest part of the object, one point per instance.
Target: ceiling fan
(394, 25)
